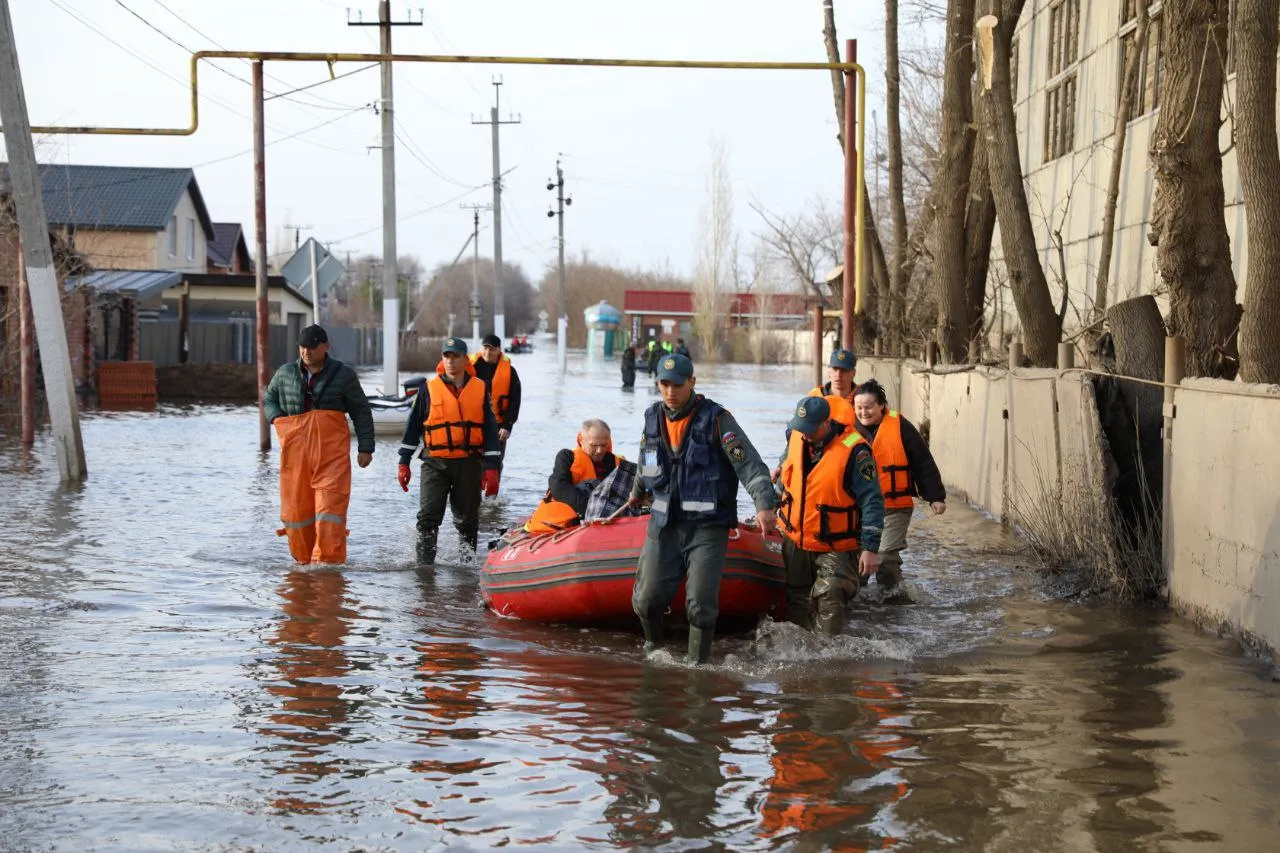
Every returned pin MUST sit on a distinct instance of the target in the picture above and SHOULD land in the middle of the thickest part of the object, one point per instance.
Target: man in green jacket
(308, 402)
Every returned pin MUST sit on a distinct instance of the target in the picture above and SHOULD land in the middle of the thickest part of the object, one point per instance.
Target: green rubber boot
(653, 633)
(699, 645)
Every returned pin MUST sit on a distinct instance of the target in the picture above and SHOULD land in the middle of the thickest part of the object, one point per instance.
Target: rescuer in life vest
(308, 402)
(504, 394)
(907, 470)
(842, 367)
(831, 515)
(693, 454)
(576, 473)
(452, 417)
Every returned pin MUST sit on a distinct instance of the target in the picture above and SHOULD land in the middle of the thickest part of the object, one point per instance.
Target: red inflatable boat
(585, 574)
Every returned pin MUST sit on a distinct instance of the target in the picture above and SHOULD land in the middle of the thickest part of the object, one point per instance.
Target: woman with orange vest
(576, 471)
(451, 415)
(906, 468)
(831, 510)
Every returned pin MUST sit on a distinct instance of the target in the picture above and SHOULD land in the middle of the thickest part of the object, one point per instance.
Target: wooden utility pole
(37, 254)
(260, 249)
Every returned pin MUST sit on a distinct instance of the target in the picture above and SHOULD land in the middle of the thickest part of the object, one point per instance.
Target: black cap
(843, 358)
(313, 336)
(811, 414)
(491, 341)
(457, 345)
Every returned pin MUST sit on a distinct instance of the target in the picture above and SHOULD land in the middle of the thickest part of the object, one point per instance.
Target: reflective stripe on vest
(454, 425)
(891, 459)
(816, 513)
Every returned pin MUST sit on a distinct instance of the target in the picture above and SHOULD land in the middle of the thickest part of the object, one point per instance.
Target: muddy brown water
(169, 681)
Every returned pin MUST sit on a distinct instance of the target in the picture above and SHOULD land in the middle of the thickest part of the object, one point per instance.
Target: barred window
(1060, 91)
(1146, 85)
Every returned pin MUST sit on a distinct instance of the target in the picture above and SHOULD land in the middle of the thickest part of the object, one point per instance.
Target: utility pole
(562, 317)
(42, 280)
(390, 279)
(474, 305)
(499, 320)
(297, 234)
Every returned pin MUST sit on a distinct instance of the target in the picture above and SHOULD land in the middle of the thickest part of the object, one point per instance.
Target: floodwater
(171, 682)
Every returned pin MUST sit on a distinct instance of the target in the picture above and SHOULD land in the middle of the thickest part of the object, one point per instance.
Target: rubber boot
(426, 548)
(889, 574)
(831, 599)
(653, 633)
(699, 645)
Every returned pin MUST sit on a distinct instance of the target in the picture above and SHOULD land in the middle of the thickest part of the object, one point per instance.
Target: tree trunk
(953, 180)
(1040, 327)
(1257, 33)
(897, 204)
(1193, 253)
(1138, 333)
(979, 226)
(1132, 62)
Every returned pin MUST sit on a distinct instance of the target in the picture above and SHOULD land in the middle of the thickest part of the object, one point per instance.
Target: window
(191, 239)
(1146, 91)
(172, 234)
(1060, 91)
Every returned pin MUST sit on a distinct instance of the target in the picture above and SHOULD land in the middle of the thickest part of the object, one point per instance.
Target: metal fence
(233, 343)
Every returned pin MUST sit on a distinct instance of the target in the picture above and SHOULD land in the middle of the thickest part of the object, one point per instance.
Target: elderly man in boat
(583, 476)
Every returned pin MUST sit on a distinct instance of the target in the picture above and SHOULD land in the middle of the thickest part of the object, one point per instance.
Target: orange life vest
(454, 425)
(499, 385)
(816, 513)
(891, 459)
(841, 407)
(552, 515)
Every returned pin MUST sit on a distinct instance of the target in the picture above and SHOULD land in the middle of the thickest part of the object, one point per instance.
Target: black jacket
(925, 475)
(560, 483)
(485, 371)
(412, 438)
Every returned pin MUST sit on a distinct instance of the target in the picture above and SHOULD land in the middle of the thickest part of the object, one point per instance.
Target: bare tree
(1040, 325)
(893, 118)
(715, 252)
(1257, 34)
(807, 245)
(1135, 53)
(1193, 253)
(953, 182)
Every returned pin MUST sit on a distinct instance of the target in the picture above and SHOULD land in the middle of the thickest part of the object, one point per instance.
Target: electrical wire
(429, 166)
(409, 216)
(288, 137)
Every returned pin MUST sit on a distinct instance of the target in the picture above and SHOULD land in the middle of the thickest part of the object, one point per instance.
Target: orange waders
(315, 484)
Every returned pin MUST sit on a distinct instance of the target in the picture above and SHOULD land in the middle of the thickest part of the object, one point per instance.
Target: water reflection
(314, 714)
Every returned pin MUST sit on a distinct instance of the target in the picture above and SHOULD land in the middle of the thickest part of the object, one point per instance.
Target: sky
(634, 143)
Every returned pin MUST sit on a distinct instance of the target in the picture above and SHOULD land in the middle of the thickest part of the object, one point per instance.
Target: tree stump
(1138, 332)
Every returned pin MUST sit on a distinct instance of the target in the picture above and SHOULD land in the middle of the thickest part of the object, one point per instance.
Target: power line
(416, 153)
(286, 138)
(409, 216)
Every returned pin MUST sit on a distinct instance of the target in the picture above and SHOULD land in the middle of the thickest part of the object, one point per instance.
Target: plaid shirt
(612, 492)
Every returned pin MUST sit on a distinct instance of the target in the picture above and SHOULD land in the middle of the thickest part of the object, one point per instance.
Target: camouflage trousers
(820, 586)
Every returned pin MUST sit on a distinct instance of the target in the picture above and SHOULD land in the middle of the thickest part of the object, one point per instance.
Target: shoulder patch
(866, 462)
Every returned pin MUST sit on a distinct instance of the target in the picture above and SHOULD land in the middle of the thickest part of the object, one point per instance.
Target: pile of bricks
(127, 384)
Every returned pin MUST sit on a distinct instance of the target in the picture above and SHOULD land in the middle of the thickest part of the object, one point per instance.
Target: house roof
(137, 284)
(244, 280)
(121, 198)
(679, 303)
(228, 237)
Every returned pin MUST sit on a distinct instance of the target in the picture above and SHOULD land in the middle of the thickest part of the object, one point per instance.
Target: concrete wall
(1007, 441)
(1225, 548)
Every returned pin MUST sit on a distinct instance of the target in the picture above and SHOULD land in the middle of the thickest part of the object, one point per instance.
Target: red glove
(489, 482)
(404, 475)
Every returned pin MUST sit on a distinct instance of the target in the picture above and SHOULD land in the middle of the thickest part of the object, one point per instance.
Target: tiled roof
(222, 248)
(125, 198)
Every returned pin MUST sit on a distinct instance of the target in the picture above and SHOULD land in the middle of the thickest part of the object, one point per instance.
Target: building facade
(1067, 67)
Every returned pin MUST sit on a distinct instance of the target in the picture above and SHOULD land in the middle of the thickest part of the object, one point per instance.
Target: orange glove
(489, 482)
(404, 475)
